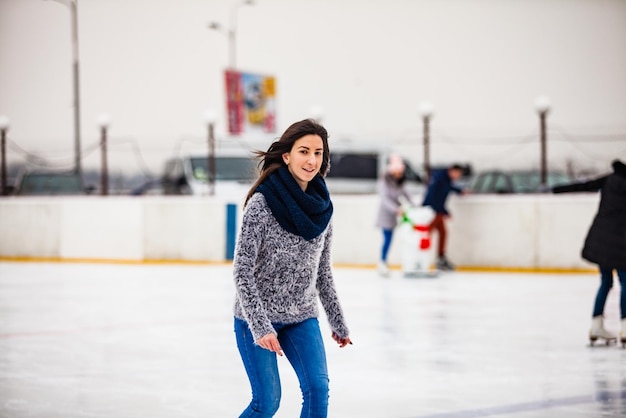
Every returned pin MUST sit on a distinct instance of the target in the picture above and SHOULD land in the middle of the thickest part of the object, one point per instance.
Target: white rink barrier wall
(510, 232)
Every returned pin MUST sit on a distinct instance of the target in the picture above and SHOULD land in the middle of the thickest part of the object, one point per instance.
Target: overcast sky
(154, 67)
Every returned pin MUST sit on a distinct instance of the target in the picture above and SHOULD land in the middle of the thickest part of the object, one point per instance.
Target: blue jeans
(303, 346)
(606, 283)
(387, 237)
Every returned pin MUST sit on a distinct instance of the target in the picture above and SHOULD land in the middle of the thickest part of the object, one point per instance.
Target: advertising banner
(250, 102)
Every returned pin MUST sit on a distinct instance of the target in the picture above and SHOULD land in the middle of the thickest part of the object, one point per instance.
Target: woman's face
(397, 172)
(305, 159)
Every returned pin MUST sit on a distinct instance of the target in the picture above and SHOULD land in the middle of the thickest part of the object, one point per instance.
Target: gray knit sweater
(278, 275)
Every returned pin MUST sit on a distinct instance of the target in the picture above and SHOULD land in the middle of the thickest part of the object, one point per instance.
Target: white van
(188, 175)
(351, 171)
(359, 172)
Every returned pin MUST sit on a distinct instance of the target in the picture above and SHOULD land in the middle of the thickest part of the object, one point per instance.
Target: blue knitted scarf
(304, 213)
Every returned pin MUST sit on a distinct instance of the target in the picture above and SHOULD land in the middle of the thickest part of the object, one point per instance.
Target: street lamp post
(4, 127)
(77, 156)
(426, 111)
(104, 122)
(542, 106)
(209, 118)
(73, 6)
(231, 32)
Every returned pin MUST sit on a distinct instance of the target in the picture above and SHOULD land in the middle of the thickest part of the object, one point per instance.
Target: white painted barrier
(525, 231)
(528, 231)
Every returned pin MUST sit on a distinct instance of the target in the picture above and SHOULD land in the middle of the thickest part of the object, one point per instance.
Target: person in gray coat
(605, 244)
(392, 191)
(282, 271)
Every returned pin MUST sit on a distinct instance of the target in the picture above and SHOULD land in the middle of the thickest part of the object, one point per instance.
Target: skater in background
(392, 192)
(605, 244)
(440, 185)
(281, 265)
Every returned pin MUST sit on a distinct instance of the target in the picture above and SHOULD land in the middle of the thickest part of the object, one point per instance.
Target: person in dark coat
(605, 244)
(439, 187)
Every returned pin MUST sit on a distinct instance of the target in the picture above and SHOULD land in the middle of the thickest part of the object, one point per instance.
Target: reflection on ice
(123, 341)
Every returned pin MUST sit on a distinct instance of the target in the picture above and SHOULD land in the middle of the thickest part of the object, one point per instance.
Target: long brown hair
(272, 159)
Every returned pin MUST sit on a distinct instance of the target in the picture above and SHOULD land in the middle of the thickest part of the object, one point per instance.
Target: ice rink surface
(135, 341)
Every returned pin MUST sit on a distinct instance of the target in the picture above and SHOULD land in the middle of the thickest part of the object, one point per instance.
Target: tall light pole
(231, 32)
(104, 122)
(542, 106)
(209, 119)
(426, 111)
(4, 127)
(73, 6)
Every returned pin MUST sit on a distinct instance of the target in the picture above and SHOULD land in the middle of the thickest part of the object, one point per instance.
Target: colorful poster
(234, 102)
(250, 102)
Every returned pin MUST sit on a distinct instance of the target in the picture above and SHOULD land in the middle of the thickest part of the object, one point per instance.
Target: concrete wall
(528, 231)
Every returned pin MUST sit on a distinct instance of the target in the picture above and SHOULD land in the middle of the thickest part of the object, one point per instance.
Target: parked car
(502, 182)
(188, 175)
(39, 183)
(148, 187)
(358, 172)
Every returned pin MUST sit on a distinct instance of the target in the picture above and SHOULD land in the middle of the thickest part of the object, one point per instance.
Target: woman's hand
(270, 342)
(341, 341)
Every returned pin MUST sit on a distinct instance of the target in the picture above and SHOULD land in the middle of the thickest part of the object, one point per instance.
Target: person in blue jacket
(440, 185)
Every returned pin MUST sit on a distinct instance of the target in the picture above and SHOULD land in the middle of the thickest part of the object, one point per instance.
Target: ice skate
(622, 333)
(383, 269)
(598, 331)
(444, 264)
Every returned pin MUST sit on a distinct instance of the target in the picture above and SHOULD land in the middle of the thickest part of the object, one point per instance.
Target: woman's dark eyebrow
(307, 148)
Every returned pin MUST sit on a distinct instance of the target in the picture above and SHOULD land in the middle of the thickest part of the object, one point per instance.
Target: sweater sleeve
(246, 253)
(388, 202)
(327, 292)
(588, 186)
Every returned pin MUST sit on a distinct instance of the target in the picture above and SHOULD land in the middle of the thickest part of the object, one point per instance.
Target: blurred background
(152, 97)
(152, 73)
